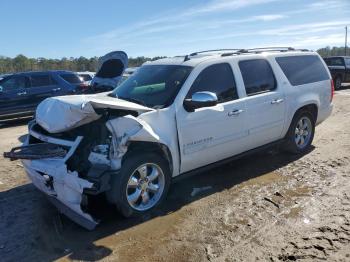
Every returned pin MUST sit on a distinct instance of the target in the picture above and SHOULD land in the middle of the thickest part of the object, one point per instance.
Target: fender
(299, 102)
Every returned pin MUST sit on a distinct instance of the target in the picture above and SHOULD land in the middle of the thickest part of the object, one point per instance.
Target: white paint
(58, 114)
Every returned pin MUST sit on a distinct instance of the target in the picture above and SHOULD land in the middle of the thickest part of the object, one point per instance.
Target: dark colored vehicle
(339, 66)
(20, 93)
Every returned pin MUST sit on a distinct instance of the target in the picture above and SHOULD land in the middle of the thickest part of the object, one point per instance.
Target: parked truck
(339, 66)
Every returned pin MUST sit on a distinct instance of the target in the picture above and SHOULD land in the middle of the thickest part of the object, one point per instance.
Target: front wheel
(300, 133)
(141, 185)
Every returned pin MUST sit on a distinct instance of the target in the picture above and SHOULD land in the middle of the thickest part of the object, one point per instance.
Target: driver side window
(218, 79)
(13, 83)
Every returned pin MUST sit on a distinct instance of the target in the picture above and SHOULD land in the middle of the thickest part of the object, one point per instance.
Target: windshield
(336, 61)
(155, 86)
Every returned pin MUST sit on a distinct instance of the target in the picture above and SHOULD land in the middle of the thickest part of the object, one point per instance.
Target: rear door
(13, 95)
(42, 86)
(264, 101)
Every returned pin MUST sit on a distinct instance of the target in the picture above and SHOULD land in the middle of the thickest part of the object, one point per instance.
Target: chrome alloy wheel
(145, 187)
(303, 132)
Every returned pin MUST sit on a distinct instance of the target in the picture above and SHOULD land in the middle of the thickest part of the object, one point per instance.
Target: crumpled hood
(62, 113)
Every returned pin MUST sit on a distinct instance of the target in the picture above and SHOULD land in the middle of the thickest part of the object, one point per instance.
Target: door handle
(56, 89)
(22, 93)
(235, 112)
(277, 101)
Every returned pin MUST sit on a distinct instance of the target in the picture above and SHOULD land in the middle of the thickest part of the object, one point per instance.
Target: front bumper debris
(64, 188)
(36, 151)
(45, 165)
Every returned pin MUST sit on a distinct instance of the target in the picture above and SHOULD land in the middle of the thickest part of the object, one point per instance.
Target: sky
(65, 28)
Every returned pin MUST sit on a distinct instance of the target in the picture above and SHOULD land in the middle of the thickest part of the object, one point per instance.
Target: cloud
(269, 17)
(312, 42)
(301, 29)
(223, 6)
(188, 18)
(223, 23)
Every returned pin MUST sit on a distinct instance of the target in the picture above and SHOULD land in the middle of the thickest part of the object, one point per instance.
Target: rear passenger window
(257, 76)
(41, 80)
(218, 79)
(301, 70)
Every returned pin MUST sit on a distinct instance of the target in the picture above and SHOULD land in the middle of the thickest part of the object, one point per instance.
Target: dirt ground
(268, 207)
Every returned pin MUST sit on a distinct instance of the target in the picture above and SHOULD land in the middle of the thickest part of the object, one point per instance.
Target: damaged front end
(73, 149)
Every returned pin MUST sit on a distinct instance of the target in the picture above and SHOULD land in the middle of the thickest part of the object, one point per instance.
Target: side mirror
(199, 100)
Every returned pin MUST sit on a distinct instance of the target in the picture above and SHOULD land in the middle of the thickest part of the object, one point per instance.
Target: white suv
(173, 116)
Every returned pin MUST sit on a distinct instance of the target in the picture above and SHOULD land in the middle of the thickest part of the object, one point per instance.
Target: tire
(137, 182)
(337, 83)
(298, 140)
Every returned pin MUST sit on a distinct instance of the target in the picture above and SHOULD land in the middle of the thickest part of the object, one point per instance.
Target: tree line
(334, 51)
(22, 63)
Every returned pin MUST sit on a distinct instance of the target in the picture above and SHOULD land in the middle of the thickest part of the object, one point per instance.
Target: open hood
(59, 114)
(110, 69)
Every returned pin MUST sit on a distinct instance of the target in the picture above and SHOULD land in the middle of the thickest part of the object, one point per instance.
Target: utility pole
(346, 38)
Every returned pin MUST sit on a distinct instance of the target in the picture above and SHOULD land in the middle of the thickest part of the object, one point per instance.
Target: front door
(211, 134)
(13, 95)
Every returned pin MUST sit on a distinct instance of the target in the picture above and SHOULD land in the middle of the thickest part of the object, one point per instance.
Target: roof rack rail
(273, 48)
(237, 51)
(214, 50)
(264, 49)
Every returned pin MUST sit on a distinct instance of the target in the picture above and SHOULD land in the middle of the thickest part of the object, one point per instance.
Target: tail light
(332, 89)
(83, 86)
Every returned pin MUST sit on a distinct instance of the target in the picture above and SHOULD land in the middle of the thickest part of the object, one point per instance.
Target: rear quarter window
(301, 70)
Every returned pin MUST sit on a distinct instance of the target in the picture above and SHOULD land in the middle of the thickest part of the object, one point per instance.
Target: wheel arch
(158, 148)
(310, 106)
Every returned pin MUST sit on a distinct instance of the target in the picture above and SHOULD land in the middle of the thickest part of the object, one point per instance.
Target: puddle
(264, 179)
(144, 238)
(298, 192)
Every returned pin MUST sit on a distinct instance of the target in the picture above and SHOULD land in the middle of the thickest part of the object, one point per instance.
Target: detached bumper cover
(63, 188)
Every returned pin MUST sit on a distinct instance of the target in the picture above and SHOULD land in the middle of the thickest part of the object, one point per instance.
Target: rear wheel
(142, 184)
(337, 84)
(300, 133)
